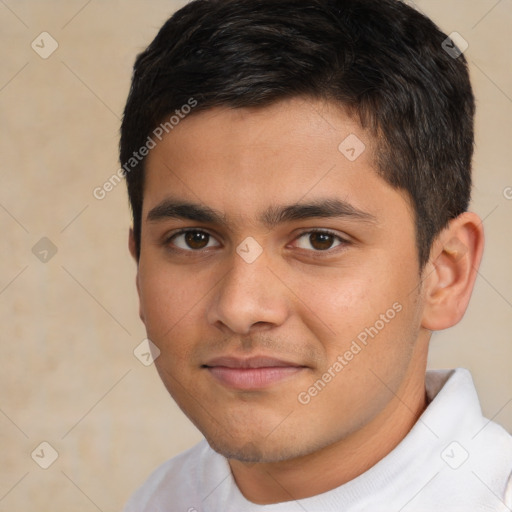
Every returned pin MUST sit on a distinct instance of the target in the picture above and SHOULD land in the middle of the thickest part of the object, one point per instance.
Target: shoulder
(480, 447)
(175, 481)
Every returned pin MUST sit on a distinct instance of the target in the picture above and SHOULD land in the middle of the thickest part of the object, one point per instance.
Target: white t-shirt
(453, 459)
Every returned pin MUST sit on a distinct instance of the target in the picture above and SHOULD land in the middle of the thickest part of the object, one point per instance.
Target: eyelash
(343, 241)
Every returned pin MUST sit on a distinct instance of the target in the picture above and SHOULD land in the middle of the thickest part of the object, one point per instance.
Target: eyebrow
(273, 216)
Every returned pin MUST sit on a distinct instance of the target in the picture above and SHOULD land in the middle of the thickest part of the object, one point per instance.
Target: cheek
(168, 298)
(364, 363)
(171, 307)
(338, 305)
(371, 304)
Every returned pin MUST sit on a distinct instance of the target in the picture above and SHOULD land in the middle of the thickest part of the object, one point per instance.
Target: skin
(304, 299)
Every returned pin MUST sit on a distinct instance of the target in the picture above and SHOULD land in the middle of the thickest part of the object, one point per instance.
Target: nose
(250, 297)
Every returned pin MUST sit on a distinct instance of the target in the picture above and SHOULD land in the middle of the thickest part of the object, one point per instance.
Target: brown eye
(194, 240)
(319, 240)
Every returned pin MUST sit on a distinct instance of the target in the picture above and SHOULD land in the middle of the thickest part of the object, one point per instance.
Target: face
(278, 277)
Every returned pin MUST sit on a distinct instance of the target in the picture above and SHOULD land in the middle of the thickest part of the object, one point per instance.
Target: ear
(450, 273)
(133, 251)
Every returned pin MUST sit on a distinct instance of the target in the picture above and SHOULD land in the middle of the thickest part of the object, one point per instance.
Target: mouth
(251, 373)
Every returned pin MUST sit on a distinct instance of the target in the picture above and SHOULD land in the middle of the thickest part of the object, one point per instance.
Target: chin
(257, 451)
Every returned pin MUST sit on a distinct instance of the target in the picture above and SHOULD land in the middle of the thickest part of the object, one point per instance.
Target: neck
(340, 462)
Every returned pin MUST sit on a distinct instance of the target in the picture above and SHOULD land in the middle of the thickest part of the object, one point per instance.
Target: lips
(250, 362)
(257, 372)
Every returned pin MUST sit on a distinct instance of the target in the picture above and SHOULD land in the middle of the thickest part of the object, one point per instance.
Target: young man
(299, 173)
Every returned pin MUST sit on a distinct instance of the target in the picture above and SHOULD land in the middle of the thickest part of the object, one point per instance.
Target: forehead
(241, 161)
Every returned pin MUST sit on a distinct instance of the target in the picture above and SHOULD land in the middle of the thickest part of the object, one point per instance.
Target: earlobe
(141, 309)
(132, 245)
(450, 274)
(133, 252)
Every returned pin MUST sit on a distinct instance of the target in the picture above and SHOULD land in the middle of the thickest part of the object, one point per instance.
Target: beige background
(70, 325)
